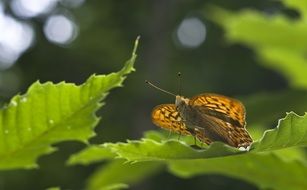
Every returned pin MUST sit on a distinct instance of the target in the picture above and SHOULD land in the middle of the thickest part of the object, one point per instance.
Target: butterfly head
(181, 101)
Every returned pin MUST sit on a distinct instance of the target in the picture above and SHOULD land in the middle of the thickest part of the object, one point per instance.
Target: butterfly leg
(202, 145)
(195, 142)
(194, 134)
(201, 136)
(179, 136)
(169, 134)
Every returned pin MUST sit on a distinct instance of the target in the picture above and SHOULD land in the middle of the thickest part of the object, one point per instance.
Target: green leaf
(91, 154)
(264, 108)
(284, 51)
(292, 154)
(292, 64)
(119, 172)
(115, 187)
(255, 29)
(267, 171)
(50, 113)
(149, 150)
(264, 170)
(299, 5)
(291, 131)
(53, 188)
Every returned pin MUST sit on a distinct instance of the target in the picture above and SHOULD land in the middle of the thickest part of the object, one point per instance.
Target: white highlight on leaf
(68, 127)
(23, 99)
(14, 103)
(51, 121)
(244, 149)
(29, 129)
(6, 131)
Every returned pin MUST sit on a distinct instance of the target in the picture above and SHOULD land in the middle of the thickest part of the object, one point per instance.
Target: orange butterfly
(208, 117)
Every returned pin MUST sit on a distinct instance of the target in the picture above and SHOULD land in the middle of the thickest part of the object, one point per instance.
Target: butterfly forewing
(166, 116)
(226, 106)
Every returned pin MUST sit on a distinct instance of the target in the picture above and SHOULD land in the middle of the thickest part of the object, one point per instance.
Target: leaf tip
(136, 44)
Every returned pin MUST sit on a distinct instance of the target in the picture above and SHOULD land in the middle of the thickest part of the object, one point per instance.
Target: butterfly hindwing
(217, 129)
(224, 118)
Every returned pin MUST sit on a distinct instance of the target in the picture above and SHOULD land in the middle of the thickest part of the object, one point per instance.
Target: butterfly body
(208, 117)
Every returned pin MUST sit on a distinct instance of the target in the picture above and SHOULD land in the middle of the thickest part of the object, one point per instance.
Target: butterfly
(208, 117)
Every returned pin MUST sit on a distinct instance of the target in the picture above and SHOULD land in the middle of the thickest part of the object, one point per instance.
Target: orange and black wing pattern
(225, 118)
(166, 116)
(229, 107)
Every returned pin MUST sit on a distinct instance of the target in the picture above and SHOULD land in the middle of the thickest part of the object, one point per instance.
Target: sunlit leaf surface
(259, 166)
(49, 113)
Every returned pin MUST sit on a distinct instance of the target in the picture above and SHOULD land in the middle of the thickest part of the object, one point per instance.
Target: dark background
(106, 33)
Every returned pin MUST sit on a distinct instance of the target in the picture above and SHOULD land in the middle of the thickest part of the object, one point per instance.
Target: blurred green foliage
(261, 60)
(279, 41)
(115, 173)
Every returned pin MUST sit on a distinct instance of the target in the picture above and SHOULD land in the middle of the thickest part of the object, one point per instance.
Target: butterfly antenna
(154, 86)
(179, 83)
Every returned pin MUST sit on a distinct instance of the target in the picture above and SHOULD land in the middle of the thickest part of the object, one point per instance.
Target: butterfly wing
(225, 106)
(166, 116)
(224, 118)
